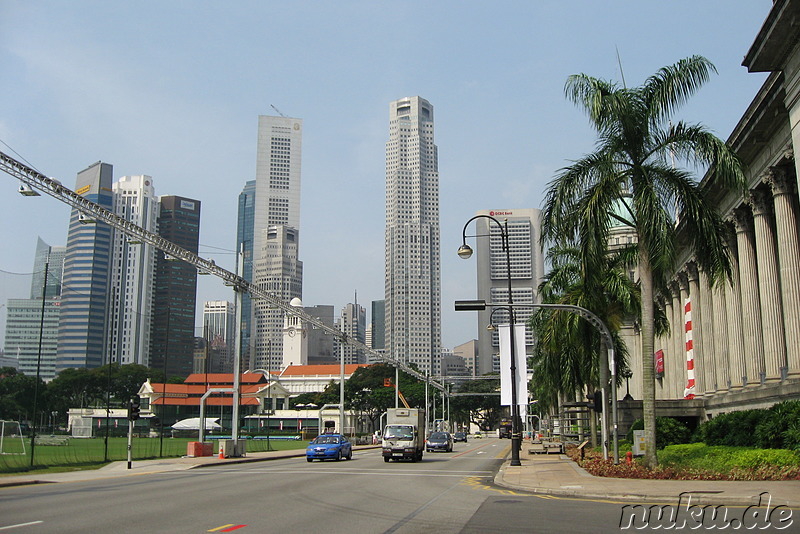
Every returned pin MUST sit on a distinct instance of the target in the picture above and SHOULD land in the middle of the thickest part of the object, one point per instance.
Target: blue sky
(174, 90)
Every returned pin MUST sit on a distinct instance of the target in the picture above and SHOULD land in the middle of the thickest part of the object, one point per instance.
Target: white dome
(296, 302)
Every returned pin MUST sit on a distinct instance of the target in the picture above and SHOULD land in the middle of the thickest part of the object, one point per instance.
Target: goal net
(11, 438)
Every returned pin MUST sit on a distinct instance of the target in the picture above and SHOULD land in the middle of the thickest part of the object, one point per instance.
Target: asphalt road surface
(445, 493)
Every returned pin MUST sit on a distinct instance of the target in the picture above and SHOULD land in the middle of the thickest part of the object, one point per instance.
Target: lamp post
(465, 252)
(478, 305)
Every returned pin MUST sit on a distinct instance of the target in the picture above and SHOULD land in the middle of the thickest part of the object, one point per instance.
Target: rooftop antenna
(619, 62)
(279, 111)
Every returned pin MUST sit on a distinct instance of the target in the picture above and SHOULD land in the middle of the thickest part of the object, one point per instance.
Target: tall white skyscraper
(132, 274)
(527, 271)
(276, 265)
(219, 327)
(412, 276)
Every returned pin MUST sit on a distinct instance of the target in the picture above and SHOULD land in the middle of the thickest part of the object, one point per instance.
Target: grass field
(90, 453)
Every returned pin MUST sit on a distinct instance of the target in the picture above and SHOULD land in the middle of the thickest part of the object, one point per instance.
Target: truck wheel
(386, 459)
(420, 456)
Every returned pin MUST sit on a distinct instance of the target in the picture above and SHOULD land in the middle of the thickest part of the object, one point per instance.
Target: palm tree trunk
(648, 347)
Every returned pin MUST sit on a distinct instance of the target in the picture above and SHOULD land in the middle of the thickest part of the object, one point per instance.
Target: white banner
(504, 332)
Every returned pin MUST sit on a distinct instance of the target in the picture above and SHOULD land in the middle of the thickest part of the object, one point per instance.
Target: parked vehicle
(404, 434)
(504, 431)
(330, 447)
(439, 441)
(477, 435)
(460, 436)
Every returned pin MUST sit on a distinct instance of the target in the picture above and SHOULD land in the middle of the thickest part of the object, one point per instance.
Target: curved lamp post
(465, 252)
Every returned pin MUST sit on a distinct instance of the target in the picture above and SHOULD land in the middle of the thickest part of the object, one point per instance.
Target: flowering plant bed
(697, 461)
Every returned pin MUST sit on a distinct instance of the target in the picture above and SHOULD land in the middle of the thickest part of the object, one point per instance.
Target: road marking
(230, 527)
(9, 527)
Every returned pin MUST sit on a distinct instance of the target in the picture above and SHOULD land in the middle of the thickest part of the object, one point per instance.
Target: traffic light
(133, 409)
(597, 399)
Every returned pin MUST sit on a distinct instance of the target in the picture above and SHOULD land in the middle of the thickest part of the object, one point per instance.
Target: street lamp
(465, 252)
(594, 320)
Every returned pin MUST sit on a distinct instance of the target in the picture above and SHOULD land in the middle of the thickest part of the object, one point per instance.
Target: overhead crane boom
(37, 181)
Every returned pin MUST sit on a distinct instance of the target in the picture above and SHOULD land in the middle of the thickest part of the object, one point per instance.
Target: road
(445, 493)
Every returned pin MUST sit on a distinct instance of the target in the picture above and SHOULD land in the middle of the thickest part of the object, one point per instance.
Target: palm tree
(636, 145)
(567, 357)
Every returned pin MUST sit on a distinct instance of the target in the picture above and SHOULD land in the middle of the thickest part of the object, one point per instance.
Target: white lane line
(21, 525)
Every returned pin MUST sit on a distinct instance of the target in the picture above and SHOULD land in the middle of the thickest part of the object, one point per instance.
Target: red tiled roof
(328, 369)
(210, 401)
(223, 378)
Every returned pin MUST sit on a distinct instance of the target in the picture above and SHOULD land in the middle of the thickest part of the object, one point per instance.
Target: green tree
(636, 146)
(482, 410)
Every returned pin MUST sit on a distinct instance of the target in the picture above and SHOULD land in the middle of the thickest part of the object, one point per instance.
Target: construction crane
(387, 382)
(32, 181)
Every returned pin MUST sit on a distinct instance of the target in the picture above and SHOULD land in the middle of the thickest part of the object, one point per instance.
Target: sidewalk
(547, 474)
(556, 474)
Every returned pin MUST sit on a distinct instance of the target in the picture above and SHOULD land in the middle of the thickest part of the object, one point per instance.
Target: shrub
(779, 427)
(669, 431)
(735, 429)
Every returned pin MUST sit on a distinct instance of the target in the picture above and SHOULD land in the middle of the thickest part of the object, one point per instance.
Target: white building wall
(132, 273)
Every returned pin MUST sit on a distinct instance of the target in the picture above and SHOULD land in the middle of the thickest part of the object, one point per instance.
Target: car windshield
(399, 432)
(321, 440)
(438, 435)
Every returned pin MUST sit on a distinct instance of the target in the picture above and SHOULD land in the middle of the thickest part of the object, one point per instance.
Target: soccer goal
(11, 439)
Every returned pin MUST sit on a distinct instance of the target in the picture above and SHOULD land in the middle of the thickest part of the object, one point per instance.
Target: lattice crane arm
(37, 181)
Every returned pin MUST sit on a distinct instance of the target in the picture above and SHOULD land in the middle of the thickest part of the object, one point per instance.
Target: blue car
(329, 446)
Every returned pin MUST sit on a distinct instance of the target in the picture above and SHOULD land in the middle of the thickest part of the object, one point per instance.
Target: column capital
(693, 271)
(741, 220)
(683, 281)
(759, 201)
(779, 181)
(674, 287)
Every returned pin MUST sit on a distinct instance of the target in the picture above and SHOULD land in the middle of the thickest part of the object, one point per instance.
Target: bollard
(629, 457)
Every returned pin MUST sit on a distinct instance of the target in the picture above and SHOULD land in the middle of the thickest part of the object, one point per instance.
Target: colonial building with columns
(745, 335)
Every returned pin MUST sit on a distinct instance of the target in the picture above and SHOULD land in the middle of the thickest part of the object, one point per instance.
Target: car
(460, 436)
(477, 435)
(439, 441)
(329, 447)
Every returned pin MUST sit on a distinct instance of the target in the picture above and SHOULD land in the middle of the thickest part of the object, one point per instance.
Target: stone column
(786, 217)
(698, 335)
(751, 308)
(721, 351)
(769, 285)
(733, 300)
(678, 373)
(709, 334)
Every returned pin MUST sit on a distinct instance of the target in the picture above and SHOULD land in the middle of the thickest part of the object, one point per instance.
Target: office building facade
(527, 272)
(219, 329)
(412, 266)
(244, 246)
(87, 267)
(353, 322)
(175, 288)
(277, 268)
(30, 320)
(131, 284)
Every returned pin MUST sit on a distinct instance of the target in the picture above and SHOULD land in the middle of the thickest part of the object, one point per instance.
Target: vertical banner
(659, 363)
(688, 393)
(504, 332)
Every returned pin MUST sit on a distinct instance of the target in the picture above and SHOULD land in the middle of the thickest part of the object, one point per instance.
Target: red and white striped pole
(688, 393)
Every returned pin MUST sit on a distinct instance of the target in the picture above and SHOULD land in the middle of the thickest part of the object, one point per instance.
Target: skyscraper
(527, 271)
(219, 326)
(28, 319)
(82, 324)
(353, 322)
(131, 295)
(412, 276)
(175, 288)
(276, 223)
(244, 245)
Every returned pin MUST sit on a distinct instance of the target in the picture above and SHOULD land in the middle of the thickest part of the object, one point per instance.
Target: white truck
(404, 434)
